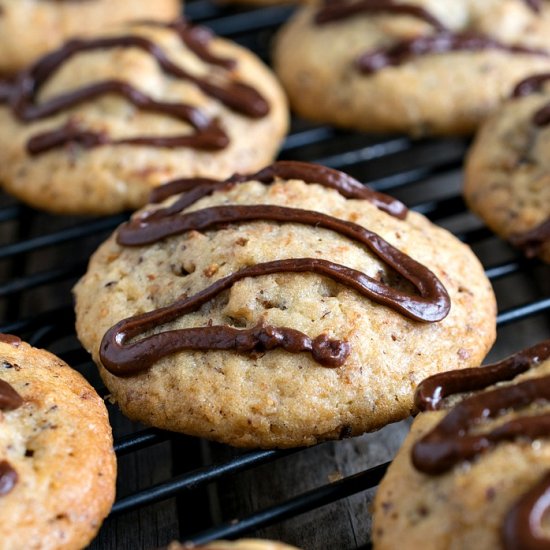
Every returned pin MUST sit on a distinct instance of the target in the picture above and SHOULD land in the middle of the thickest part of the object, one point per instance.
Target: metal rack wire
(41, 257)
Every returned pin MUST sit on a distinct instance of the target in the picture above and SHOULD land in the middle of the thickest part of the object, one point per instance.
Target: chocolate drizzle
(336, 11)
(9, 401)
(432, 304)
(9, 398)
(196, 188)
(15, 341)
(522, 529)
(532, 241)
(449, 443)
(122, 358)
(440, 42)
(196, 38)
(8, 477)
(542, 117)
(434, 389)
(531, 85)
(535, 5)
(6, 88)
(237, 96)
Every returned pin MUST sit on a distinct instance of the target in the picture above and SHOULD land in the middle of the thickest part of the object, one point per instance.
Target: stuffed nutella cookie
(93, 126)
(508, 169)
(30, 28)
(57, 465)
(279, 309)
(475, 470)
(421, 67)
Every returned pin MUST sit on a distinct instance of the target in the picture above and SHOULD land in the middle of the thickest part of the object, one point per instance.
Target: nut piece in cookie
(57, 464)
(420, 67)
(280, 308)
(507, 181)
(475, 469)
(93, 126)
(29, 29)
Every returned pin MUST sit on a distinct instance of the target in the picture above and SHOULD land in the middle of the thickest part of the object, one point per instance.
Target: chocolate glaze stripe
(535, 5)
(8, 478)
(208, 134)
(434, 389)
(15, 341)
(197, 188)
(115, 87)
(449, 443)
(9, 398)
(193, 189)
(9, 401)
(542, 117)
(122, 358)
(532, 241)
(207, 137)
(531, 85)
(522, 529)
(196, 38)
(431, 305)
(6, 87)
(235, 95)
(441, 42)
(336, 11)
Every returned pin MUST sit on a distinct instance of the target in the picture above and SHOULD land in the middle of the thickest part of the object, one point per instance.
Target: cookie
(244, 544)
(507, 175)
(475, 470)
(279, 309)
(92, 127)
(57, 465)
(29, 29)
(420, 67)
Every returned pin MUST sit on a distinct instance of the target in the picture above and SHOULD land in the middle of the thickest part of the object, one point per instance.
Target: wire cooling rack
(172, 486)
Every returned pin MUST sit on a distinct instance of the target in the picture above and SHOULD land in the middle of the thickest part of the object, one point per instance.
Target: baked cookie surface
(57, 465)
(420, 67)
(95, 125)
(474, 471)
(507, 176)
(287, 275)
(29, 29)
